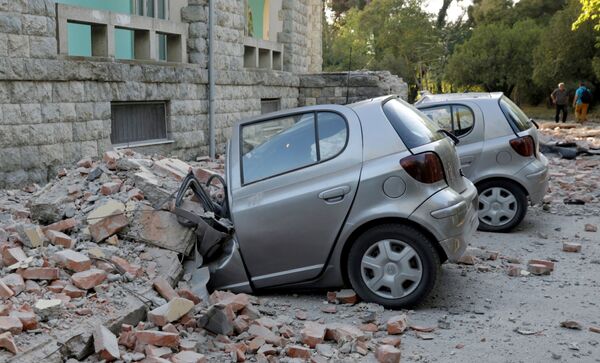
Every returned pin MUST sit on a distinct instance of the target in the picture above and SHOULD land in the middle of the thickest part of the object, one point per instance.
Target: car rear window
(516, 117)
(414, 128)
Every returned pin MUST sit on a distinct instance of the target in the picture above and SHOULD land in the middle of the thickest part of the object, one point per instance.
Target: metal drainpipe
(211, 78)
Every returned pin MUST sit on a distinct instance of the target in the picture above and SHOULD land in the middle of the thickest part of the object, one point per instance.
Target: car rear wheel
(393, 265)
(502, 205)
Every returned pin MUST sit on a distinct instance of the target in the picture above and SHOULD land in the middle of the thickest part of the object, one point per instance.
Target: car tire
(513, 205)
(399, 237)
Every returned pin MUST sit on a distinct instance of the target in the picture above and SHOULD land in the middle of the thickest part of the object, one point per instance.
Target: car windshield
(516, 117)
(414, 128)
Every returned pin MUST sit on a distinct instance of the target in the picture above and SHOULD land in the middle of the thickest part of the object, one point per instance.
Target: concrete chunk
(106, 344)
(171, 311)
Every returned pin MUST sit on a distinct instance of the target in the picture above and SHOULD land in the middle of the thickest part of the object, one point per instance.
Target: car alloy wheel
(391, 269)
(502, 205)
(497, 206)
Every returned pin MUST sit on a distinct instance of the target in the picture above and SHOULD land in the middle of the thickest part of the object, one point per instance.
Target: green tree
(497, 57)
(590, 10)
(490, 11)
(564, 55)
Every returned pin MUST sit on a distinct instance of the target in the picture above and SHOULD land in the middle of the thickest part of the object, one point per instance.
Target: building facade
(78, 77)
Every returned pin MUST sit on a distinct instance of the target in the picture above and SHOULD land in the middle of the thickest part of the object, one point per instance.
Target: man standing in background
(560, 98)
(583, 98)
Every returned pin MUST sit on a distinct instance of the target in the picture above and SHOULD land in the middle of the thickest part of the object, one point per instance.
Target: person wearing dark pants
(560, 98)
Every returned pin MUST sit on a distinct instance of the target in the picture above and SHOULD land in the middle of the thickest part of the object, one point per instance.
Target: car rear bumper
(451, 217)
(535, 179)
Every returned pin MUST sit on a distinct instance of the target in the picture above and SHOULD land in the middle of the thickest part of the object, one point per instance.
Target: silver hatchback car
(368, 194)
(498, 150)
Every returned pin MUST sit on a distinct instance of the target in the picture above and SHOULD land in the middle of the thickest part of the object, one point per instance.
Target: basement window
(268, 105)
(138, 123)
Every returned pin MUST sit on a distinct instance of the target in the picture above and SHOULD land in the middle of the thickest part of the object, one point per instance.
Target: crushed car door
(293, 180)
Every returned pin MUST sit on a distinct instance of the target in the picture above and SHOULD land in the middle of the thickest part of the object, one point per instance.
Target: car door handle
(335, 194)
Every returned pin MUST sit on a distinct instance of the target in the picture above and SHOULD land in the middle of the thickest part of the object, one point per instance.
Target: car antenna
(348, 77)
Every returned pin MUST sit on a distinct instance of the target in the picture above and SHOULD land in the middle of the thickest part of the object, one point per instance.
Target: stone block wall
(333, 87)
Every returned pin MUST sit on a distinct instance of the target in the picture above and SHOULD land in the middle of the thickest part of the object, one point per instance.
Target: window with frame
(457, 119)
(138, 122)
(278, 146)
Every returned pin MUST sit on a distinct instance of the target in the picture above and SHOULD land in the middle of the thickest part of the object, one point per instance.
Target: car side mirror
(450, 135)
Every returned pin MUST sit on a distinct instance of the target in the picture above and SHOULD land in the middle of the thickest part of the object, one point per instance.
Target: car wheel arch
(383, 221)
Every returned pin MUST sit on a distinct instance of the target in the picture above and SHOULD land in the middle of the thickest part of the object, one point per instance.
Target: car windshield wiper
(450, 135)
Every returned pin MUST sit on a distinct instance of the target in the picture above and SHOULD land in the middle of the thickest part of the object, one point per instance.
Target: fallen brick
(391, 340)
(88, 279)
(340, 332)
(546, 263)
(538, 269)
(571, 247)
(57, 286)
(27, 317)
(60, 239)
(7, 342)
(297, 351)
(108, 226)
(73, 292)
(387, 354)
(513, 271)
(85, 163)
(111, 158)
(152, 351)
(106, 344)
(157, 338)
(264, 333)
(188, 294)
(267, 349)
(72, 260)
(571, 324)
(32, 286)
(171, 311)
(240, 324)
(5, 309)
(124, 265)
(347, 296)
(61, 226)
(329, 309)
(135, 194)
(5, 291)
(595, 329)
(170, 328)
(40, 273)
(188, 357)
(216, 321)
(591, 227)
(468, 260)
(110, 188)
(235, 302)
(312, 334)
(397, 324)
(127, 339)
(10, 324)
(10, 256)
(162, 286)
(14, 282)
(369, 327)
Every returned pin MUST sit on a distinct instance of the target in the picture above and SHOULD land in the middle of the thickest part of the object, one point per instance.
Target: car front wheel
(393, 265)
(502, 205)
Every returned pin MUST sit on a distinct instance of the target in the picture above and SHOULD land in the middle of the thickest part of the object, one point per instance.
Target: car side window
(277, 146)
(463, 120)
(442, 116)
(333, 134)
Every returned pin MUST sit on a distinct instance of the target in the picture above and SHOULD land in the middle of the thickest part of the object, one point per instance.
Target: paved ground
(483, 310)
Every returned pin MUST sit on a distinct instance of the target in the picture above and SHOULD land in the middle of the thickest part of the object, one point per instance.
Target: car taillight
(426, 167)
(524, 146)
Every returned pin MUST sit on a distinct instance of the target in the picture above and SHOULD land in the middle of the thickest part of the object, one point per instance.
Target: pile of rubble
(91, 269)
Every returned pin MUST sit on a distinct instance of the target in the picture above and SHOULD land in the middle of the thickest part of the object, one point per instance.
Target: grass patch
(545, 113)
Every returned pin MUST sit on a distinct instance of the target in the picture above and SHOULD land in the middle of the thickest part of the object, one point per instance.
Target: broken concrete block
(297, 351)
(347, 296)
(109, 208)
(258, 331)
(31, 235)
(591, 227)
(312, 334)
(188, 294)
(88, 279)
(73, 292)
(40, 273)
(72, 260)
(157, 338)
(571, 247)
(188, 357)
(61, 226)
(47, 308)
(342, 333)
(173, 168)
(134, 270)
(14, 282)
(60, 239)
(387, 354)
(10, 324)
(153, 189)
(235, 302)
(85, 163)
(106, 344)
(171, 311)
(216, 321)
(163, 287)
(13, 255)
(160, 228)
(111, 158)
(110, 188)
(7, 342)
